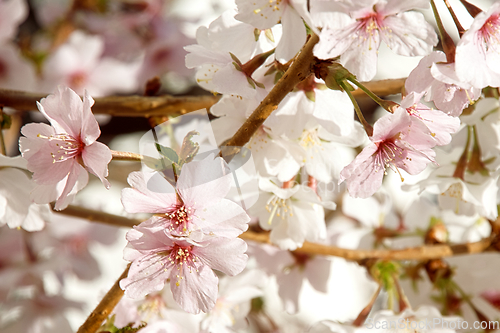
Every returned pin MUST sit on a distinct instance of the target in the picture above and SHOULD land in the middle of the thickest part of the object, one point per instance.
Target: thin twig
(425, 252)
(126, 156)
(105, 307)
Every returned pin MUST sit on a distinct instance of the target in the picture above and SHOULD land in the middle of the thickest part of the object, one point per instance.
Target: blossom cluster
(319, 174)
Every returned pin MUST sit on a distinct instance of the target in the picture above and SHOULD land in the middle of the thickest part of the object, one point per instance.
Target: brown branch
(425, 252)
(297, 72)
(101, 217)
(105, 307)
(122, 106)
(146, 106)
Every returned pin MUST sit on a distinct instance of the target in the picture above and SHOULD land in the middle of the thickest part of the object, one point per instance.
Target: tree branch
(147, 106)
(122, 106)
(105, 307)
(297, 72)
(425, 252)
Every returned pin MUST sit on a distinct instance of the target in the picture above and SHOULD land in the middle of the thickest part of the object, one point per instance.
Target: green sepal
(6, 121)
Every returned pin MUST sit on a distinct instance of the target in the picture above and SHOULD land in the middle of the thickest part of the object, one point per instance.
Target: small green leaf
(168, 153)
(238, 68)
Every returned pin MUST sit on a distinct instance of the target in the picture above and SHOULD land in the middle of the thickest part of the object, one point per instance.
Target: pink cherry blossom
(355, 33)
(12, 13)
(439, 123)
(60, 155)
(440, 83)
(186, 264)
(397, 142)
(478, 52)
(196, 205)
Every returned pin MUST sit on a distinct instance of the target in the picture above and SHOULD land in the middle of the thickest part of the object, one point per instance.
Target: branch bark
(425, 252)
(146, 106)
(105, 307)
(297, 72)
(121, 106)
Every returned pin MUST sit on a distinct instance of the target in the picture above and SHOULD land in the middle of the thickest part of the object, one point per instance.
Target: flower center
(180, 216)
(279, 207)
(63, 147)
(490, 31)
(180, 256)
(387, 155)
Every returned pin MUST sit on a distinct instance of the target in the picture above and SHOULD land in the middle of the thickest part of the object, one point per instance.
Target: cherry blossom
(478, 55)
(60, 155)
(397, 142)
(16, 208)
(355, 33)
(264, 14)
(440, 125)
(78, 65)
(12, 13)
(196, 207)
(233, 302)
(293, 214)
(157, 258)
(225, 41)
(440, 83)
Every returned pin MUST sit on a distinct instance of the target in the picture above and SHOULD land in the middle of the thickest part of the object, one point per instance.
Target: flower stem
(366, 125)
(448, 44)
(126, 156)
(388, 105)
(461, 29)
(462, 162)
(3, 150)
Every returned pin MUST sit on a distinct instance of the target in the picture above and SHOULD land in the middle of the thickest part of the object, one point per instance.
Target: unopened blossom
(359, 26)
(158, 258)
(439, 82)
(61, 154)
(397, 143)
(196, 205)
(477, 55)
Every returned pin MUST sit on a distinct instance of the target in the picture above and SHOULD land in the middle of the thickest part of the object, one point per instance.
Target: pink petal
(64, 110)
(96, 158)
(90, 127)
(197, 291)
(139, 199)
(77, 179)
(224, 254)
(225, 218)
(203, 183)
